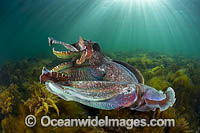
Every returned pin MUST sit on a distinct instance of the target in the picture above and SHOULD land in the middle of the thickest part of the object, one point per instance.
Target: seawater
(169, 26)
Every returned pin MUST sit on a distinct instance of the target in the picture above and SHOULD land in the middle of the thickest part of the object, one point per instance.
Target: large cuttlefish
(93, 79)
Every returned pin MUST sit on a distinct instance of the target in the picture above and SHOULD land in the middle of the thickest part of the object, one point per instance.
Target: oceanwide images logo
(46, 121)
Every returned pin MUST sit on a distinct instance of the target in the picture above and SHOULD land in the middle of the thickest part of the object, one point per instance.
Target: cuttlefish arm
(68, 72)
(113, 95)
(66, 54)
(62, 66)
(87, 52)
(67, 46)
(72, 51)
(83, 50)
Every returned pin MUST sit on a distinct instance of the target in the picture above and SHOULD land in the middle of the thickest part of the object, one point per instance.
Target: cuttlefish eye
(128, 90)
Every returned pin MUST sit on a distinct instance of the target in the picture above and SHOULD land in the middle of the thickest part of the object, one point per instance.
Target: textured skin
(97, 81)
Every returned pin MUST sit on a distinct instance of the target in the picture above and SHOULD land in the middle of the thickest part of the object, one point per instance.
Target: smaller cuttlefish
(95, 80)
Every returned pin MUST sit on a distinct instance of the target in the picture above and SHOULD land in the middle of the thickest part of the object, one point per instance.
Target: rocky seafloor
(21, 94)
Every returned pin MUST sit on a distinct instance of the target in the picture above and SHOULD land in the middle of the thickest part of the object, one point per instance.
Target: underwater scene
(80, 59)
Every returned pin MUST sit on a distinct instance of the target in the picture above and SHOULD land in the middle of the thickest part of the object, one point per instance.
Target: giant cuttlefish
(93, 79)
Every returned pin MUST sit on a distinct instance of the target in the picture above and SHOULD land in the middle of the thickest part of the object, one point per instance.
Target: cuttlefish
(93, 79)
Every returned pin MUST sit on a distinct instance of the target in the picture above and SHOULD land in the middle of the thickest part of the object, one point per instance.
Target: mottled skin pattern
(97, 81)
